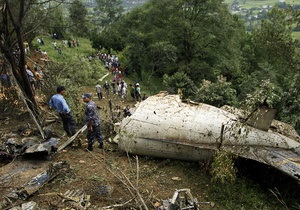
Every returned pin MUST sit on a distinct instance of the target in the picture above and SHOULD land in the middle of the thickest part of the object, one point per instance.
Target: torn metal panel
(42, 149)
(35, 183)
(182, 199)
(164, 126)
(11, 149)
(284, 160)
(26, 206)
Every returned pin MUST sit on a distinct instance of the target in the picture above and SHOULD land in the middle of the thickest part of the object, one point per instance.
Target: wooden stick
(117, 205)
(71, 139)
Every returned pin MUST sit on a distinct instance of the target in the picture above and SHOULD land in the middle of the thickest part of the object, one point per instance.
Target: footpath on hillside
(74, 178)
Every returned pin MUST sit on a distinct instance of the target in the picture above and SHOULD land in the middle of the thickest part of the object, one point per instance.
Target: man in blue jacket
(58, 102)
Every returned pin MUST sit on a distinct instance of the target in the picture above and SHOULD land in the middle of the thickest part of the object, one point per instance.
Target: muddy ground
(103, 177)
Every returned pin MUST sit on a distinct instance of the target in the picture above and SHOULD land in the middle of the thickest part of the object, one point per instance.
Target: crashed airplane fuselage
(164, 126)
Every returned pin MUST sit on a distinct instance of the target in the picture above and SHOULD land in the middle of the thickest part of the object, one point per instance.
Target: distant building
(89, 2)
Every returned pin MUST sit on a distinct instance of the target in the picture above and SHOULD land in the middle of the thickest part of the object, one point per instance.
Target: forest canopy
(190, 42)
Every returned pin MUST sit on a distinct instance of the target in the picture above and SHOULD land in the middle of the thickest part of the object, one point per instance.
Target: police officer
(92, 121)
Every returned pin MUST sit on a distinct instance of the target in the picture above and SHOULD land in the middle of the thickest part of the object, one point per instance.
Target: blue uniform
(91, 113)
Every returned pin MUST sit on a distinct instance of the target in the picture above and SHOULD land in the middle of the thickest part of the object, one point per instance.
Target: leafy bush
(217, 94)
(222, 167)
(266, 92)
(291, 105)
(179, 81)
(54, 77)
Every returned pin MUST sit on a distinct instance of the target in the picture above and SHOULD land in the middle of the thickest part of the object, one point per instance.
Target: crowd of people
(35, 77)
(117, 86)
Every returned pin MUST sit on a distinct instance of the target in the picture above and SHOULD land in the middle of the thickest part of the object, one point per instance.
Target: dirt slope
(107, 175)
(100, 173)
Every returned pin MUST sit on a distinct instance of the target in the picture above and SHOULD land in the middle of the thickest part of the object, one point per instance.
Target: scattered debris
(26, 206)
(37, 182)
(42, 149)
(182, 199)
(11, 149)
(176, 178)
(76, 199)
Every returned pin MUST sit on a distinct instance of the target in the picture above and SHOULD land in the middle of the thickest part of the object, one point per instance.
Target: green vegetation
(74, 60)
(256, 3)
(296, 35)
(196, 46)
(190, 52)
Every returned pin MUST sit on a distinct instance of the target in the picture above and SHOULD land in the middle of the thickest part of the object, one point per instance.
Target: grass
(148, 86)
(296, 35)
(254, 7)
(257, 3)
(83, 51)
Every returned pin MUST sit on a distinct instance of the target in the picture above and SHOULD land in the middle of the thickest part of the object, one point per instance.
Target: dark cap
(87, 95)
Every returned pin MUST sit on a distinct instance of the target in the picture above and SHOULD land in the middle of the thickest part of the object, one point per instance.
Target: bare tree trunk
(11, 36)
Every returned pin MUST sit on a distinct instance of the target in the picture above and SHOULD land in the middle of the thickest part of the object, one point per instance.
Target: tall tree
(109, 11)
(18, 21)
(202, 38)
(270, 52)
(78, 15)
(56, 22)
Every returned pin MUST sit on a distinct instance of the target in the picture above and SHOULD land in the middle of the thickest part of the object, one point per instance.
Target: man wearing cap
(93, 122)
(58, 102)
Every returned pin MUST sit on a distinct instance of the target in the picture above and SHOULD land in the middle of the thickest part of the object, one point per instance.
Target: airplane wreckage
(166, 127)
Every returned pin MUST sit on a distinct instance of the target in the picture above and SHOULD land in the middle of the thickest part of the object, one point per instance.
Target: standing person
(132, 91)
(98, 91)
(92, 121)
(5, 81)
(30, 77)
(54, 45)
(137, 92)
(106, 87)
(59, 50)
(35, 66)
(39, 78)
(113, 85)
(58, 102)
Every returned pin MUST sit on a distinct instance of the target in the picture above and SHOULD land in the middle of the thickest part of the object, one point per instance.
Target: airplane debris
(43, 149)
(71, 139)
(182, 199)
(195, 131)
(26, 206)
(75, 198)
(37, 182)
(11, 149)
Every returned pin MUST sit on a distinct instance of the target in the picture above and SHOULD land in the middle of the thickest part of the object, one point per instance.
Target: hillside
(109, 176)
(252, 11)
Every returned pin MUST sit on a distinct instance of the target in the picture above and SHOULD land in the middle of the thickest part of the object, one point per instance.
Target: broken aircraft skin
(164, 126)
